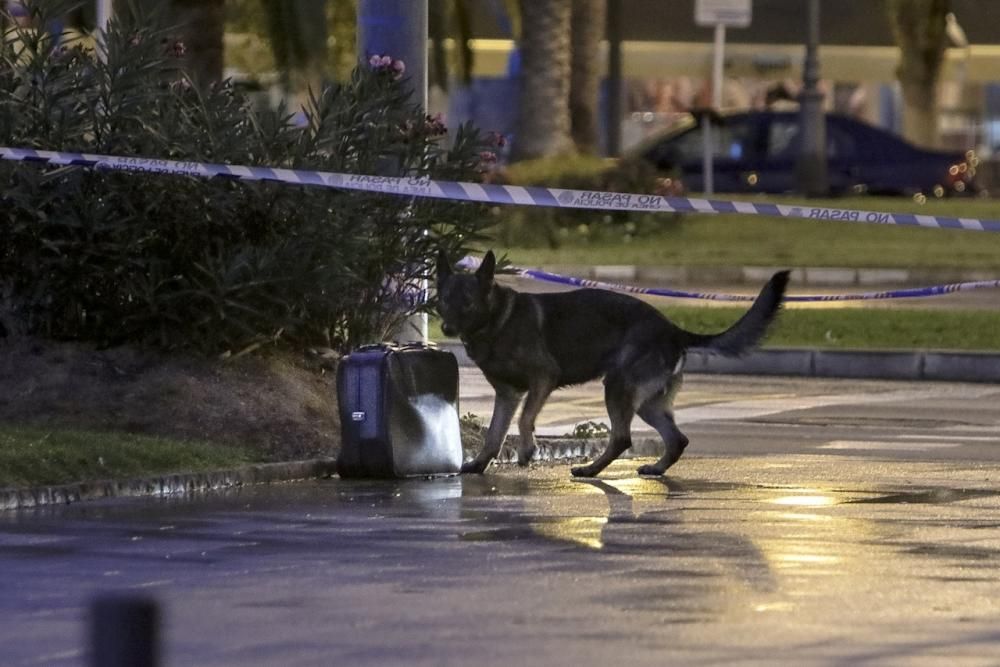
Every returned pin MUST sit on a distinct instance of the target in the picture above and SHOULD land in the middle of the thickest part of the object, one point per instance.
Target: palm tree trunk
(201, 24)
(298, 38)
(544, 120)
(204, 25)
(919, 28)
(587, 29)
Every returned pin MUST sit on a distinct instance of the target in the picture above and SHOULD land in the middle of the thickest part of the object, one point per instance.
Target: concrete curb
(166, 485)
(550, 450)
(868, 364)
(757, 275)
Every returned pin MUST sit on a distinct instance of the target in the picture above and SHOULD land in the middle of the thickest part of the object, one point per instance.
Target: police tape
(472, 263)
(488, 192)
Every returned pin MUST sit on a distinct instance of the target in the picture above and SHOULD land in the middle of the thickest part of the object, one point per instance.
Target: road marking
(888, 444)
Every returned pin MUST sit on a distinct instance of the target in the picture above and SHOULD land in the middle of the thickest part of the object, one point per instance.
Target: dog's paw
(582, 471)
(650, 471)
(525, 457)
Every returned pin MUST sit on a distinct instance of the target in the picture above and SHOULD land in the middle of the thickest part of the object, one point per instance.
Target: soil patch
(283, 406)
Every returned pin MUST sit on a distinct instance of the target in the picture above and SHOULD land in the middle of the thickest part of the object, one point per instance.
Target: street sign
(731, 13)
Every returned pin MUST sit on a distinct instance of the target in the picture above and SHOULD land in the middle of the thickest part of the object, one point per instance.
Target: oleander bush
(212, 265)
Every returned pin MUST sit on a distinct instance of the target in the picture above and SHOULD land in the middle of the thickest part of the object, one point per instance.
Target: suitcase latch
(358, 416)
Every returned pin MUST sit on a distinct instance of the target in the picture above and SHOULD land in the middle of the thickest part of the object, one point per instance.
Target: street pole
(708, 142)
(398, 28)
(104, 13)
(811, 166)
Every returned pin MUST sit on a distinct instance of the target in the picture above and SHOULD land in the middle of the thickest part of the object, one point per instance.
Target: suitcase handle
(394, 346)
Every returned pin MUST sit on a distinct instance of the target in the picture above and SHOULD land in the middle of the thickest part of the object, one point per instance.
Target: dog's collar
(492, 328)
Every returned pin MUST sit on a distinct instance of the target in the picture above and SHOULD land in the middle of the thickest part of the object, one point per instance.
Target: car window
(731, 141)
(783, 141)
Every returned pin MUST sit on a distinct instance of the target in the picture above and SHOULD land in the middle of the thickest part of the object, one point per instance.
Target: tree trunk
(200, 27)
(544, 122)
(919, 29)
(203, 23)
(587, 30)
(298, 39)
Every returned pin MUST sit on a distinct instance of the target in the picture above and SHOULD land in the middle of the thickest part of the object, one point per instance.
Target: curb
(166, 485)
(550, 450)
(940, 366)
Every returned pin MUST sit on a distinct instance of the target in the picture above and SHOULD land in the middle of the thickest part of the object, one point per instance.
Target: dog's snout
(448, 330)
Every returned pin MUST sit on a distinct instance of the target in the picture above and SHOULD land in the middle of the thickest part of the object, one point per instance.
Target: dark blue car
(756, 152)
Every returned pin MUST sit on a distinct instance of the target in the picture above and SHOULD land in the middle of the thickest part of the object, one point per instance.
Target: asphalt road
(810, 522)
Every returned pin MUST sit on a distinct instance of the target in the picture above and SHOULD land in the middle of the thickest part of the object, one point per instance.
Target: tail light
(961, 174)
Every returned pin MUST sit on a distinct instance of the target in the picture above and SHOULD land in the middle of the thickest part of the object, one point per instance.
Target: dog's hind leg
(618, 397)
(657, 413)
(504, 407)
(537, 395)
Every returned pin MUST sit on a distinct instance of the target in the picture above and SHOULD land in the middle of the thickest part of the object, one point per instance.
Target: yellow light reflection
(799, 516)
(807, 499)
(583, 530)
(806, 559)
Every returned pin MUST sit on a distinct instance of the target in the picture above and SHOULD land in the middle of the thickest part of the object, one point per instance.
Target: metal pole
(398, 28)
(708, 166)
(811, 166)
(614, 102)
(105, 11)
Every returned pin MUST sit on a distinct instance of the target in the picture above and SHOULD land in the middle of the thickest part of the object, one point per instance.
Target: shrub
(211, 265)
(554, 226)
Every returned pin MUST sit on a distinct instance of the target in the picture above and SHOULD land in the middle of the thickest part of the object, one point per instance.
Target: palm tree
(919, 28)
(200, 27)
(298, 31)
(544, 118)
(587, 29)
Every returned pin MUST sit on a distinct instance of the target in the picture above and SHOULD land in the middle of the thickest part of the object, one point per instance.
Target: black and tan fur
(528, 345)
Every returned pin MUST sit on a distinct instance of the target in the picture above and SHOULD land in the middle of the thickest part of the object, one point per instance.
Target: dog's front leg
(538, 393)
(504, 407)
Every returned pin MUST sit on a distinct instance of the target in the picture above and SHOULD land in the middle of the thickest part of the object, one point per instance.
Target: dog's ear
(443, 267)
(485, 271)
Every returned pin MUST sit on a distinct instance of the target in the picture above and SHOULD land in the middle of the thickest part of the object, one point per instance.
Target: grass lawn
(860, 328)
(851, 328)
(36, 456)
(724, 240)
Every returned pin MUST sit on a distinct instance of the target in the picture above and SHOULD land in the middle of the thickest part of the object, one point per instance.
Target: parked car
(756, 152)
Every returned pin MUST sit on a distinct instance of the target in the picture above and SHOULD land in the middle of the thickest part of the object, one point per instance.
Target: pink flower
(487, 157)
(375, 60)
(434, 125)
(174, 48)
(497, 139)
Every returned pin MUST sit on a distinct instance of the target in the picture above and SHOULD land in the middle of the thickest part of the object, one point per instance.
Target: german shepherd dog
(535, 343)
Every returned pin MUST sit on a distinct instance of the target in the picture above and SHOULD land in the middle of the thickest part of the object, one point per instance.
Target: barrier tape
(472, 263)
(489, 193)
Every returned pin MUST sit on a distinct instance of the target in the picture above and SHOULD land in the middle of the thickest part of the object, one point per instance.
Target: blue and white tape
(472, 263)
(490, 193)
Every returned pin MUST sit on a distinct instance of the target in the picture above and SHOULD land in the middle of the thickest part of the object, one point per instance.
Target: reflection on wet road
(730, 560)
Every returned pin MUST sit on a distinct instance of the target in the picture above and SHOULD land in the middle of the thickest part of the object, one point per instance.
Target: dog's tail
(749, 329)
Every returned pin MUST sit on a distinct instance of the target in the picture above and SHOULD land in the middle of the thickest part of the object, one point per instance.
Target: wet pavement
(810, 522)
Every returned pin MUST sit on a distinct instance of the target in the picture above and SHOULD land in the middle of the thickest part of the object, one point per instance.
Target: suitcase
(398, 412)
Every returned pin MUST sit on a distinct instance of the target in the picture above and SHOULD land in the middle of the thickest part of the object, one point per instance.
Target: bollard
(124, 632)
